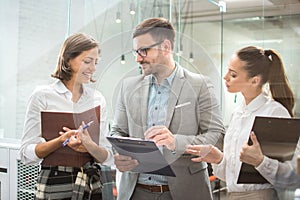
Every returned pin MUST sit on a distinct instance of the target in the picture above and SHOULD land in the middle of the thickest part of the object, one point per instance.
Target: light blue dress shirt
(157, 113)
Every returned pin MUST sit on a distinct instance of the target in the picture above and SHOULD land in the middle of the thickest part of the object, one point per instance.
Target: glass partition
(270, 31)
(206, 37)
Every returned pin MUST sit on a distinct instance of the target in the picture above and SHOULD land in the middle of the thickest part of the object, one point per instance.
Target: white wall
(8, 66)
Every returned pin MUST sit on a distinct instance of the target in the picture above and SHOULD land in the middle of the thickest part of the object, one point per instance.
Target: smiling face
(84, 66)
(153, 61)
(236, 79)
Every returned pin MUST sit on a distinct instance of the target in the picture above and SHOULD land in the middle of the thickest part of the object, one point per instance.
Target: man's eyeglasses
(143, 51)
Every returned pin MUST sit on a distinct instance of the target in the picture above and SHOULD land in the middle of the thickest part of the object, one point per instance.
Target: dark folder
(151, 160)
(52, 124)
(278, 138)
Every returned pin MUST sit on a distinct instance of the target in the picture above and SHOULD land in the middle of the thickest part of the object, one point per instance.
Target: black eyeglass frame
(144, 50)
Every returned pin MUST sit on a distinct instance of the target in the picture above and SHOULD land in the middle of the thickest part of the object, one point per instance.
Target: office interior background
(208, 33)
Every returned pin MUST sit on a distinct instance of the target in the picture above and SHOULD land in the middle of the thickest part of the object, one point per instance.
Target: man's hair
(159, 28)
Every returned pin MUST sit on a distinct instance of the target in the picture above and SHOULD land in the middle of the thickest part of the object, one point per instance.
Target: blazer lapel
(177, 85)
(144, 93)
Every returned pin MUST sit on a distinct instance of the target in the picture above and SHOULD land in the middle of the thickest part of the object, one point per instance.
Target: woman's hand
(252, 154)
(84, 135)
(75, 142)
(205, 153)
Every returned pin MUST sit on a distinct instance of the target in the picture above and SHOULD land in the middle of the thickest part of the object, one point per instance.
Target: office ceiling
(205, 10)
(208, 10)
(248, 14)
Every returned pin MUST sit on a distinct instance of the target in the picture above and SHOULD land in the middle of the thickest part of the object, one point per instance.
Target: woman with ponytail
(281, 175)
(249, 70)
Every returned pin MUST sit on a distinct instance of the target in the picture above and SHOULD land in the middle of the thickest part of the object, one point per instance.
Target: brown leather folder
(52, 124)
(278, 138)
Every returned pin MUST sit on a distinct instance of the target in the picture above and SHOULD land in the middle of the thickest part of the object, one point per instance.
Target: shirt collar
(169, 78)
(60, 87)
(256, 103)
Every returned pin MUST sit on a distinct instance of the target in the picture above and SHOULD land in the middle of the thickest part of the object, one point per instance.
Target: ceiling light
(123, 59)
(132, 8)
(191, 58)
(118, 18)
(221, 4)
(181, 49)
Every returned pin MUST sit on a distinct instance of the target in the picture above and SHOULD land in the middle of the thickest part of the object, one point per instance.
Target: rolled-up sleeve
(32, 130)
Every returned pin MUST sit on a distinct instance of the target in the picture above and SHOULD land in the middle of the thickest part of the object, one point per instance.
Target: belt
(154, 188)
(61, 168)
(67, 169)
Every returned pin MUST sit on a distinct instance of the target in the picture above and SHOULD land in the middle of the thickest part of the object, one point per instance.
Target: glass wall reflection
(32, 32)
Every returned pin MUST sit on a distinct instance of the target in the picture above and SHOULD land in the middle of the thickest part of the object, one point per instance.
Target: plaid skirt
(86, 183)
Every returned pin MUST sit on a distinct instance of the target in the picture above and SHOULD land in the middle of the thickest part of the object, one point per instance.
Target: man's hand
(252, 154)
(125, 163)
(162, 136)
(206, 153)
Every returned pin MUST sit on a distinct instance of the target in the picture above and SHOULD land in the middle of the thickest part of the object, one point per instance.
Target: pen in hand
(83, 128)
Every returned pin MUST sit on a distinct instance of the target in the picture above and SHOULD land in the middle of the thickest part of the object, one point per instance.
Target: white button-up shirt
(56, 97)
(238, 133)
(281, 174)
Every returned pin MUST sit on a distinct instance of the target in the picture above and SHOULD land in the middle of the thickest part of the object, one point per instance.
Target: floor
(219, 190)
(220, 195)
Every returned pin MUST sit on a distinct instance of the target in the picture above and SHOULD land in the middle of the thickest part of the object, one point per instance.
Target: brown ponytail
(278, 82)
(268, 65)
